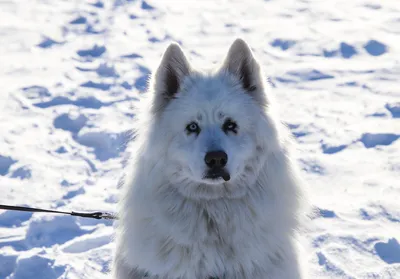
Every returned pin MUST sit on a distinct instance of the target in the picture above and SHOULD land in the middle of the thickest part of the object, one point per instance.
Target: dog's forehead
(210, 96)
(210, 88)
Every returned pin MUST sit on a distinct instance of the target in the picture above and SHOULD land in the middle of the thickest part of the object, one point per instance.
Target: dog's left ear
(241, 63)
(169, 76)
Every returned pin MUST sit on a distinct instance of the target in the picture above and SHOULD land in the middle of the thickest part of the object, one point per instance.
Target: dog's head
(211, 126)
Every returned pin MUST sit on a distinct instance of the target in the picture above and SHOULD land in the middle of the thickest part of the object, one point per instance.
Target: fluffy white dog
(212, 191)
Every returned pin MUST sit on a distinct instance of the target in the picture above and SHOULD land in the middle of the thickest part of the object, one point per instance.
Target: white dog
(213, 192)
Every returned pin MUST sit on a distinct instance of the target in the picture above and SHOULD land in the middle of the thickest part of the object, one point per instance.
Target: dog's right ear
(169, 76)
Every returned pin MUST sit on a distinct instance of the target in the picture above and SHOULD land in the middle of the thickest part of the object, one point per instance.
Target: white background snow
(70, 72)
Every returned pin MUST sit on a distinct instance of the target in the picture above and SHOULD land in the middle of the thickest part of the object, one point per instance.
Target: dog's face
(209, 122)
(213, 133)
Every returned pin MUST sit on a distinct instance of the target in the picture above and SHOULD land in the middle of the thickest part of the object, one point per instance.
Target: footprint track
(389, 251)
(372, 140)
(378, 211)
(82, 102)
(5, 163)
(369, 140)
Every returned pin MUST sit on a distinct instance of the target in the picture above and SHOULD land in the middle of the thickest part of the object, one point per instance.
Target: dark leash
(93, 215)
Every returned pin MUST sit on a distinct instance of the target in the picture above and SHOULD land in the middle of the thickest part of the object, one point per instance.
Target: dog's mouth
(215, 174)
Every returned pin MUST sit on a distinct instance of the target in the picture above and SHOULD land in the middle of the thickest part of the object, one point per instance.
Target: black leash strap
(94, 215)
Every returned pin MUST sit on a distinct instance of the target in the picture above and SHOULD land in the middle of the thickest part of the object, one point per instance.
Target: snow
(71, 72)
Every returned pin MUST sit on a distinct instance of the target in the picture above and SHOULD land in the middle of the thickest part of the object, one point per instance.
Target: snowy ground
(71, 71)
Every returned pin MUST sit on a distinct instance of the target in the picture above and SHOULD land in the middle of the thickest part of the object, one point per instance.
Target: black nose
(216, 159)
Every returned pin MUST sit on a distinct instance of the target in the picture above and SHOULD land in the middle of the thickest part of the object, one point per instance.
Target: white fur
(174, 224)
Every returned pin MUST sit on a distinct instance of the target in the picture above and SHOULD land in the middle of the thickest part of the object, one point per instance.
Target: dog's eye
(230, 125)
(193, 128)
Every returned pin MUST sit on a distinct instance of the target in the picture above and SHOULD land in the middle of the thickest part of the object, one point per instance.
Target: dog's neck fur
(208, 217)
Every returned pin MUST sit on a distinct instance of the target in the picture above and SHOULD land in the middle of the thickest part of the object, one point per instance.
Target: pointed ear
(241, 63)
(169, 76)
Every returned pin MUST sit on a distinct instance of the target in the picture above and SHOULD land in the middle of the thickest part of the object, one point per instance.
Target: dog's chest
(216, 237)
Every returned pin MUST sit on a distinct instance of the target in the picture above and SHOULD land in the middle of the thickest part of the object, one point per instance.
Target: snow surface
(71, 71)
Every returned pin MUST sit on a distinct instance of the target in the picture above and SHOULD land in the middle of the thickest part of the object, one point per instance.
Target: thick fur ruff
(175, 223)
